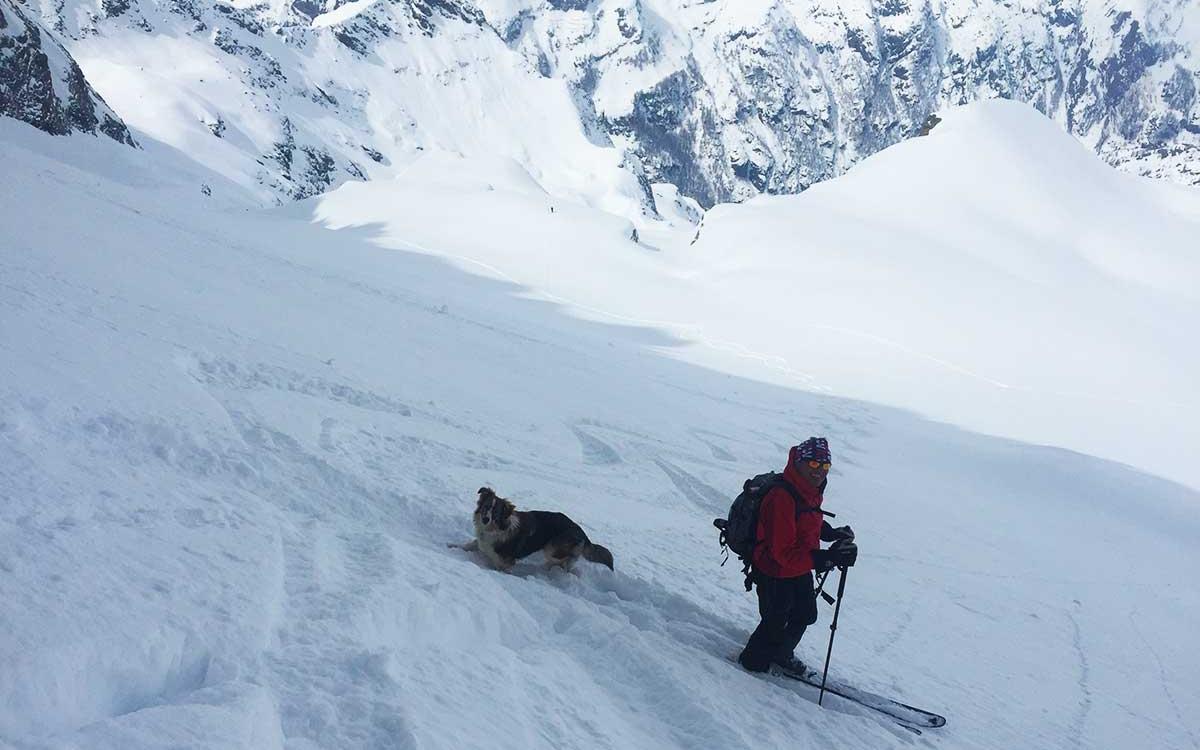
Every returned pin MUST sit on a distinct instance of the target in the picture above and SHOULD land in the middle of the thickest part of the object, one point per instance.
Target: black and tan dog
(504, 535)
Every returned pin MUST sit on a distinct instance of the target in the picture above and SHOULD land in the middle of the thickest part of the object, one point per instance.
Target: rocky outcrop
(298, 112)
(724, 99)
(42, 85)
(733, 98)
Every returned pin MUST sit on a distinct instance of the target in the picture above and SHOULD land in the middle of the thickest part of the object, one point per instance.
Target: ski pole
(832, 630)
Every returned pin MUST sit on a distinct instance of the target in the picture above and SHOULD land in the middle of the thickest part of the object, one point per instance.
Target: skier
(787, 551)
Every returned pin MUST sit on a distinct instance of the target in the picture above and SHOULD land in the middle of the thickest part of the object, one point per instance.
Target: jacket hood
(791, 474)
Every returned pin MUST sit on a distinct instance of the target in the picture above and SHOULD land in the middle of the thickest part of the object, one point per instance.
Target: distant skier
(790, 529)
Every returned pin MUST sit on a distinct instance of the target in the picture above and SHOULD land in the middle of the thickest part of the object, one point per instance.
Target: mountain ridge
(42, 85)
(724, 100)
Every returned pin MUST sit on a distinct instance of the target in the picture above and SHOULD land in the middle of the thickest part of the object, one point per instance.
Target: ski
(910, 716)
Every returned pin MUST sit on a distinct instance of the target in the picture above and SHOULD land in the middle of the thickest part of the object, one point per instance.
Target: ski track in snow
(330, 686)
(326, 442)
(232, 376)
(898, 630)
(718, 452)
(596, 452)
(699, 493)
(1164, 682)
(956, 599)
(1079, 720)
(325, 586)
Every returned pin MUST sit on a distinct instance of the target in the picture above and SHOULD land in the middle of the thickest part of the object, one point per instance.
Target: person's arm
(778, 513)
(842, 554)
(830, 534)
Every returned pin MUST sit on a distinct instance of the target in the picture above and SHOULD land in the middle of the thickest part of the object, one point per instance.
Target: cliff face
(41, 84)
(723, 98)
(733, 97)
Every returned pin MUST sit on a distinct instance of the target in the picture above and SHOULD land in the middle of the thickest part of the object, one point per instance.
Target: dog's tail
(598, 554)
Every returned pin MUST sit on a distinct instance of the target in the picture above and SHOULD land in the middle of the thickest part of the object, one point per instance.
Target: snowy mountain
(235, 443)
(288, 105)
(42, 85)
(729, 99)
(722, 99)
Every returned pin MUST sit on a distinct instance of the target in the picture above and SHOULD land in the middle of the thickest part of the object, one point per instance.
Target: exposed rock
(723, 98)
(774, 97)
(41, 84)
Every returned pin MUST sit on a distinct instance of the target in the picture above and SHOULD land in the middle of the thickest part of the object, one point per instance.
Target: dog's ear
(505, 508)
(485, 491)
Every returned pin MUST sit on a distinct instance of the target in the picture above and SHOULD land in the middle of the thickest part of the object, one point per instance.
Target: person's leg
(800, 602)
(765, 640)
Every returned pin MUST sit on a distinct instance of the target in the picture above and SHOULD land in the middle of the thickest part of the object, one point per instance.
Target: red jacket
(786, 538)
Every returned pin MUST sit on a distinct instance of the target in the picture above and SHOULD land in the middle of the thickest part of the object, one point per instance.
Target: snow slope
(1000, 277)
(994, 275)
(234, 444)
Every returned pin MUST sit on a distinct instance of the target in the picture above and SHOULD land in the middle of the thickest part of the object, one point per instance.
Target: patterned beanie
(814, 449)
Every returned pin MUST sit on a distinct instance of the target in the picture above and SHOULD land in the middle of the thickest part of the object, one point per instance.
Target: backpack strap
(801, 506)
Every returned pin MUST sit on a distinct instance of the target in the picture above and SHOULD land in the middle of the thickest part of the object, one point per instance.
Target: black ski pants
(786, 606)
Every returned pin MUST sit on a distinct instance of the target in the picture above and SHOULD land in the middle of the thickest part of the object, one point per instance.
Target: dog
(504, 535)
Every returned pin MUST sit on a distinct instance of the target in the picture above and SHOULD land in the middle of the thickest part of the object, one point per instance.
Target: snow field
(234, 445)
(1054, 304)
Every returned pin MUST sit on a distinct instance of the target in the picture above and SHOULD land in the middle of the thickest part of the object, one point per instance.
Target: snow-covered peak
(289, 100)
(723, 99)
(729, 99)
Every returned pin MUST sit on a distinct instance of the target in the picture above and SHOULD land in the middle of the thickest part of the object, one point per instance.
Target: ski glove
(831, 534)
(842, 554)
(821, 561)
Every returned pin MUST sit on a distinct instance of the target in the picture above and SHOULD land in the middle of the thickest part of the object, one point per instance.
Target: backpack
(739, 531)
